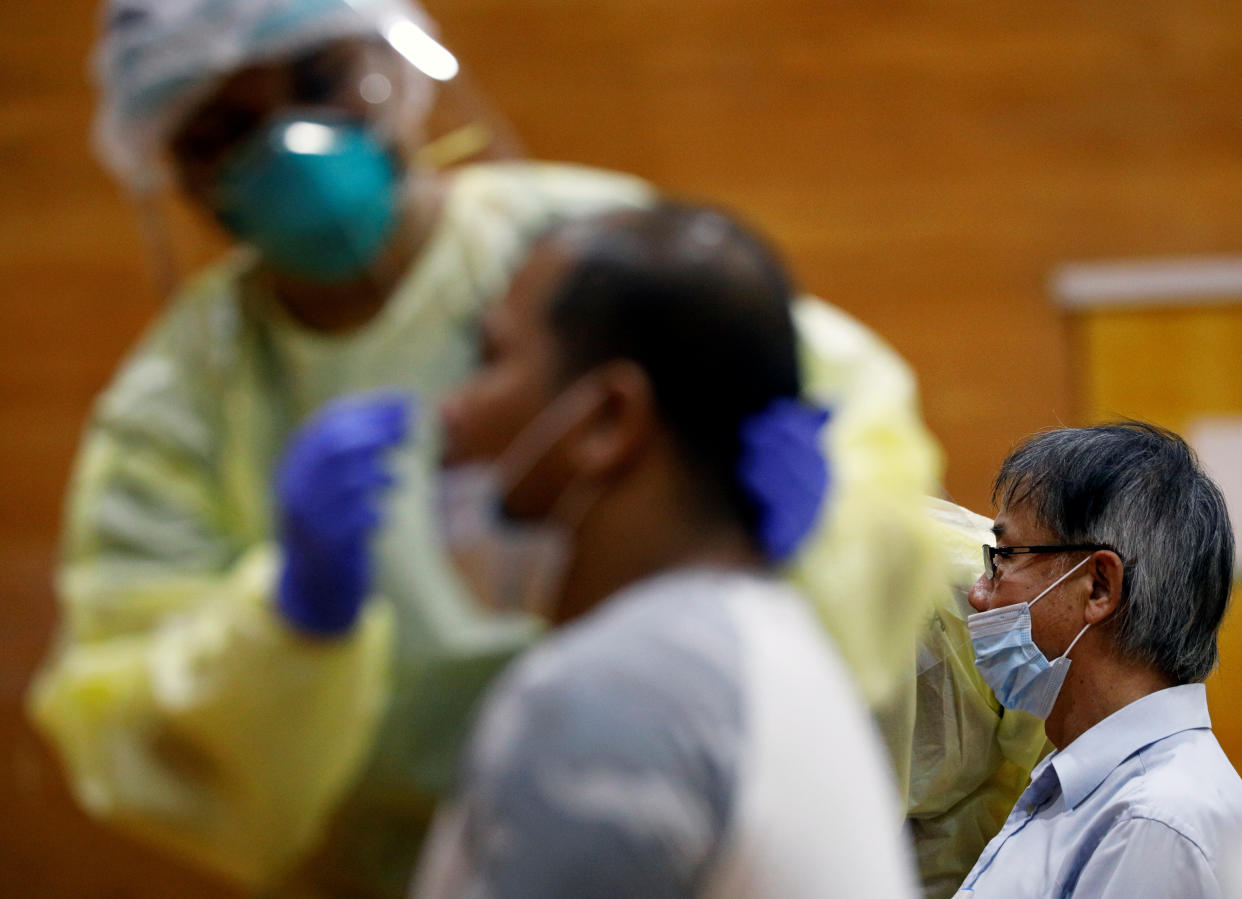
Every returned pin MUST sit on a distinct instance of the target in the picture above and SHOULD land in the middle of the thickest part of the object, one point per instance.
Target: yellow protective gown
(187, 712)
(970, 758)
(888, 570)
(183, 708)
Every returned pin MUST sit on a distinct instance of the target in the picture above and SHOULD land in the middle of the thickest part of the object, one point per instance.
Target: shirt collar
(1083, 765)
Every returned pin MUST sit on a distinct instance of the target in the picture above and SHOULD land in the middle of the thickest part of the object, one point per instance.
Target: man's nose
(980, 593)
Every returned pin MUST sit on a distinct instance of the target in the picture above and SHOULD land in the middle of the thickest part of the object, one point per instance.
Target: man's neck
(626, 539)
(1098, 686)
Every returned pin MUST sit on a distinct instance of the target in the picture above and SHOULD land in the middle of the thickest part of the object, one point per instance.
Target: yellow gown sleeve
(888, 570)
(183, 709)
(874, 563)
(971, 758)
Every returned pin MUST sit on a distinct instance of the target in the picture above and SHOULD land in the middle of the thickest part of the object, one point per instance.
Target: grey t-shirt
(694, 736)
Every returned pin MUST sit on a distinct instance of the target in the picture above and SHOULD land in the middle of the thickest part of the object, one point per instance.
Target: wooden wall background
(924, 164)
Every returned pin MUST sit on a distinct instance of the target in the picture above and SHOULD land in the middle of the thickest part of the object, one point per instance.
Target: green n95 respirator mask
(316, 196)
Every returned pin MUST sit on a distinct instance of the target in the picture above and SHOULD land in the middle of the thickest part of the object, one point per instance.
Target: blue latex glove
(328, 488)
(783, 471)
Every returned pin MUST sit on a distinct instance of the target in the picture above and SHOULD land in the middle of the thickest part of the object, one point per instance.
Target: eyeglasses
(991, 552)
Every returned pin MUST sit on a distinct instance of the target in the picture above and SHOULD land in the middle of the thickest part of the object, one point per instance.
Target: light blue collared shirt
(1144, 804)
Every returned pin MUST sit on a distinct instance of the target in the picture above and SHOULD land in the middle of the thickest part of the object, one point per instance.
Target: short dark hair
(702, 304)
(1140, 489)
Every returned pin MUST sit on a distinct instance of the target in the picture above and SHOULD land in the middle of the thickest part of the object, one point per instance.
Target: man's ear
(613, 437)
(1107, 575)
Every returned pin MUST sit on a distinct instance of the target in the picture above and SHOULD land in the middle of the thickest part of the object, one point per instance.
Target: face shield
(310, 130)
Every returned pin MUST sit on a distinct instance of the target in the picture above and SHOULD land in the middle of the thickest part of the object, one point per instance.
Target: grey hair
(1139, 489)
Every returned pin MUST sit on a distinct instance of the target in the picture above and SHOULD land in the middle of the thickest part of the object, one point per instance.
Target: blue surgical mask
(316, 196)
(509, 566)
(513, 565)
(1012, 665)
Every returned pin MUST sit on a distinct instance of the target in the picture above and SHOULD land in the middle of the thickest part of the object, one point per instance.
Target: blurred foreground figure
(635, 434)
(1114, 560)
(219, 686)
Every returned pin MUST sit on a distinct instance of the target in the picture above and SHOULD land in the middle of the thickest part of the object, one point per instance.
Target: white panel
(1148, 282)
(1218, 441)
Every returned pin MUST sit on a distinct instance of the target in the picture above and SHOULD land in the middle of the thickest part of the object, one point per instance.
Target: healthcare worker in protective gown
(199, 694)
(206, 691)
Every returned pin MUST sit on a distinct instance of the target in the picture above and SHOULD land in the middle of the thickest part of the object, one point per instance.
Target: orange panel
(1171, 366)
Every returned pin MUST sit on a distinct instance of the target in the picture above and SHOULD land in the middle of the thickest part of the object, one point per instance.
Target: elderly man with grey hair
(1114, 552)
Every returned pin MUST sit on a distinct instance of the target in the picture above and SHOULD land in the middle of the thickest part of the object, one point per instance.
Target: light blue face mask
(1012, 665)
(316, 197)
(509, 564)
